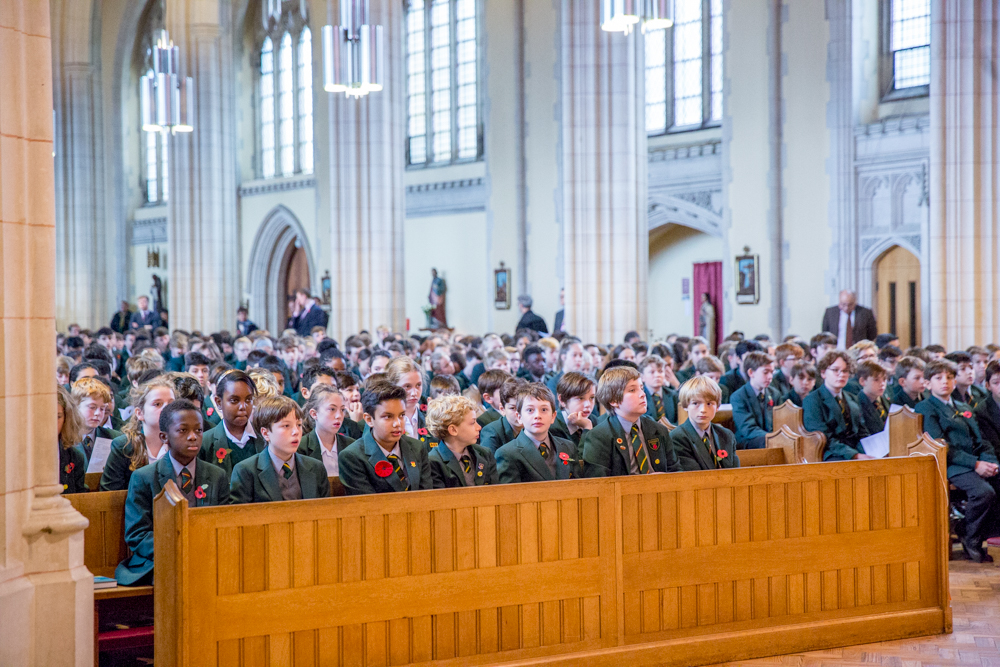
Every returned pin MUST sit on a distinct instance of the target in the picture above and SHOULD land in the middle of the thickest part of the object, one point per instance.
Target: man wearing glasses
(834, 412)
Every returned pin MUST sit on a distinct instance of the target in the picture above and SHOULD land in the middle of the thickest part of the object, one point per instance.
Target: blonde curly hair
(447, 411)
(264, 380)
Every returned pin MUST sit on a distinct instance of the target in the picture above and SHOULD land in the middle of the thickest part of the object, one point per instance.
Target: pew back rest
(905, 427)
(104, 539)
(813, 443)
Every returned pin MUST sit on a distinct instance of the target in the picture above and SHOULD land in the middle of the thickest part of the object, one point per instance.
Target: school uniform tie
(658, 406)
(708, 446)
(640, 453)
(186, 481)
(286, 470)
(398, 469)
(845, 411)
(543, 449)
(466, 462)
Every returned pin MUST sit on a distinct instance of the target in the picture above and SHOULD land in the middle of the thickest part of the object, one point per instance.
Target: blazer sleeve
(508, 471)
(241, 485)
(595, 455)
(353, 475)
(116, 470)
(437, 472)
(934, 428)
(748, 431)
(322, 482)
(426, 479)
(686, 458)
(669, 449)
(490, 473)
(222, 485)
(139, 517)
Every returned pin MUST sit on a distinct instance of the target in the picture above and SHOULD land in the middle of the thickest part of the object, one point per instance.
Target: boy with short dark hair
(874, 405)
(384, 459)
(835, 413)
(498, 433)
(972, 463)
(536, 455)
(279, 472)
(700, 444)
(803, 380)
(201, 483)
(736, 377)
(489, 384)
(198, 365)
(988, 411)
(532, 364)
(936, 351)
(627, 442)
(575, 393)
(820, 344)
(909, 387)
(661, 400)
(711, 366)
(786, 356)
(966, 390)
(753, 403)
(889, 356)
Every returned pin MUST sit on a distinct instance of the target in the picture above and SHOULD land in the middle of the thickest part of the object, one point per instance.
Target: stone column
(605, 229)
(83, 264)
(964, 180)
(43, 583)
(203, 260)
(367, 197)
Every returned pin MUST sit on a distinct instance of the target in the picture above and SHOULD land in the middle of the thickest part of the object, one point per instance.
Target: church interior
(410, 245)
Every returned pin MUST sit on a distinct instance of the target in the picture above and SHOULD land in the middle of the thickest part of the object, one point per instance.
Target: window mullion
(706, 61)
(428, 86)
(668, 44)
(296, 87)
(453, 74)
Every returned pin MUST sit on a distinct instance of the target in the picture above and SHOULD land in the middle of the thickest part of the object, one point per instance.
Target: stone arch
(280, 230)
(667, 209)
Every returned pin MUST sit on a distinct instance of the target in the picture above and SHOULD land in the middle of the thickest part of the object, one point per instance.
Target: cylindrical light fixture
(167, 100)
(619, 15)
(353, 52)
(657, 15)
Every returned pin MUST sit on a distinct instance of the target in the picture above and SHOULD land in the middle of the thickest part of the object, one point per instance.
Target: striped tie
(543, 449)
(466, 462)
(398, 469)
(658, 406)
(708, 446)
(639, 451)
(186, 481)
(286, 470)
(845, 411)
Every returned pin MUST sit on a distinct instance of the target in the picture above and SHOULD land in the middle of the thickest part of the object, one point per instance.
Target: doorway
(280, 263)
(897, 295)
(295, 274)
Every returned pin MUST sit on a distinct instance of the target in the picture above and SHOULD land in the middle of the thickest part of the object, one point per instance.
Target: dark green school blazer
(685, 374)
(972, 398)
(351, 428)
(988, 418)
(793, 396)
(357, 467)
(496, 435)
(256, 481)
(694, 455)
(446, 470)
(821, 412)
(605, 450)
(488, 417)
(560, 429)
(897, 396)
(116, 473)
(669, 398)
(146, 484)
(752, 422)
(732, 380)
(311, 447)
(853, 387)
(780, 383)
(872, 413)
(956, 425)
(99, 432)
(519, 461)
(72, 470)
(215, 442)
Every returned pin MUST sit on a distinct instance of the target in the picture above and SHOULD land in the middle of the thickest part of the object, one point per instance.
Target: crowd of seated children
(535, 455)
(753, 403)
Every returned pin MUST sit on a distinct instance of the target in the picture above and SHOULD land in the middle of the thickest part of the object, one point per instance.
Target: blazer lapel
(165, 471)
(409, 462)
(201, 477)
(621, 438)
(453, 464)
(306, 482)
(563, 468)
(703, 451)
(834, 407)
(375, 455)
(530, 454)
(268, 478)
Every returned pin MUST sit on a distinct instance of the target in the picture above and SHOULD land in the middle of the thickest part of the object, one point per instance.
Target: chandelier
(353, 52)
(623, 15)
(167, 99)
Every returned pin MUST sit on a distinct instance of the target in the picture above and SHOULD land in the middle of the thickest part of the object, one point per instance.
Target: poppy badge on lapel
(967, 414)
(383, 468)
(69, 468)
(220, 454)
(199, 493)
(722, 453)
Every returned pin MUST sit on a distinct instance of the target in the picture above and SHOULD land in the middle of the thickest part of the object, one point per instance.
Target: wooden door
(897, 295)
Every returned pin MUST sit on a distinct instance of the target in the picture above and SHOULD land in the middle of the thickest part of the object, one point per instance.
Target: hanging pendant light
(353, 52)
(657, 15)
(623, 15)
(167, 99)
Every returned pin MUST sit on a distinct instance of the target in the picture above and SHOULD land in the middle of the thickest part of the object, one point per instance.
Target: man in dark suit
(144, 317)
(120, 321)
(528, 319)
(307, 314)
(561, 313)
(849, 322)
(243, 323)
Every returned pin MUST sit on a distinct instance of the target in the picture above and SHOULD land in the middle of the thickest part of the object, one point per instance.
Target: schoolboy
(700, 444)
(697, 350)
(198, 365)
(753, 403)
(711, 367)
(458, 461)
(234, 440)
(354, 421)
(202, 485)
(909, 387)
(889, 356)
(574, 418)
(972, 463)
(820, 344)
(497, 360)
(311, 377)
(980, 357)
(860, 352)
(384, 460)
(936, 351)
(443, 385)
(966, 390)
(786, 356)
(489, 385)
(988, 411)
(505, 429)
(627, 442)
(874, 405)
(737, 377)
(532, 364)
(835, 413)
(536, 455)
(279, 472)
(661, 400)
(93, 400)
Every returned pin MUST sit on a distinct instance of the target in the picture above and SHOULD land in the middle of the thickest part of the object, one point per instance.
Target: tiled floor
(975, 593)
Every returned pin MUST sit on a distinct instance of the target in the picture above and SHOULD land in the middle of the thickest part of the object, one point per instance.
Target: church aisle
(975, 593)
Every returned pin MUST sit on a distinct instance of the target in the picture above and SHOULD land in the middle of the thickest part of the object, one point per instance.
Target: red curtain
(707, 277)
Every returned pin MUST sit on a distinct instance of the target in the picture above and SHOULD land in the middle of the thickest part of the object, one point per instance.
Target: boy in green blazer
(498, 433)
(661, 400)
(458, 461)
(910, 384)
(803, 381)
(835, 413)
(872, 378)
(627, 442)
(535, 455)
(279, 472)
(576, 393)
(202, 484)
(234, 440)
(700, 444)
(489, 384)
(988, 411)
(753, 403)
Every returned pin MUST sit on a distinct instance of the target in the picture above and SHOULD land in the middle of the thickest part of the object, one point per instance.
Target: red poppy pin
(69, 468)
(383, 468)
(967, 414)
(210, 411)
(564, 456)
(220, 454)
(423, 407)
(421, 431)
(770, 402)
(722, 453)
(199, 493)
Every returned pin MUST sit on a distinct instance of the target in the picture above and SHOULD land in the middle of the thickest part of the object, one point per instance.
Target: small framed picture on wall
(747, 278)
(501, 288)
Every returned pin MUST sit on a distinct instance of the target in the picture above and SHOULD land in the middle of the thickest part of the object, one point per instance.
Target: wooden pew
(905, 428)
(93, 480)
(813, 443)
(678, 569)
(723, 417)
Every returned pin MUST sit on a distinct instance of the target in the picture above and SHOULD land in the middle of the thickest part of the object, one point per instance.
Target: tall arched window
(285, 97)
(906, 40)
(684, 69)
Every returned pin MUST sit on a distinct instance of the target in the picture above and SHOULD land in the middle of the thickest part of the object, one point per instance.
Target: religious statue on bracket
(436, 299)
(706, 321)
(156, 293)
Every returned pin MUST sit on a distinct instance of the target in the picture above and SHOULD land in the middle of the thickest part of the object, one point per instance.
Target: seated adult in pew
(203, 484)
(140, 443)
(753, 403)
(384, 459)
(535, 455)
(988, 411)
(69, 426)
(458, 461)
(698, 443)
(661, 399)
(234, 440)
(325, 410)
(279, 472)
(575, 393)
(972, 464)
(627, 442)
(835, 413)
(872, 378)
(501, 431)
(802, 380)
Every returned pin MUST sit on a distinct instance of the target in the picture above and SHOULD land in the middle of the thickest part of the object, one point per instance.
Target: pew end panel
(905, 427)
(785, 441)
(172, 599)
(104, 538)
(751, 458)
(787, 414)
(93, 480)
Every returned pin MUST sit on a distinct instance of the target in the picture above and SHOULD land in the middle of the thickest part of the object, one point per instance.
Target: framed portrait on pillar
(501, 288)
(747, 278)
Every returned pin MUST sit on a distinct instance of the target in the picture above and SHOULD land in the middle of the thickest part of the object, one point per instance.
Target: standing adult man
(561, 313)
(307, 314)
(120, 320)
(849, 322)
(144, 317)
(528, 319)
